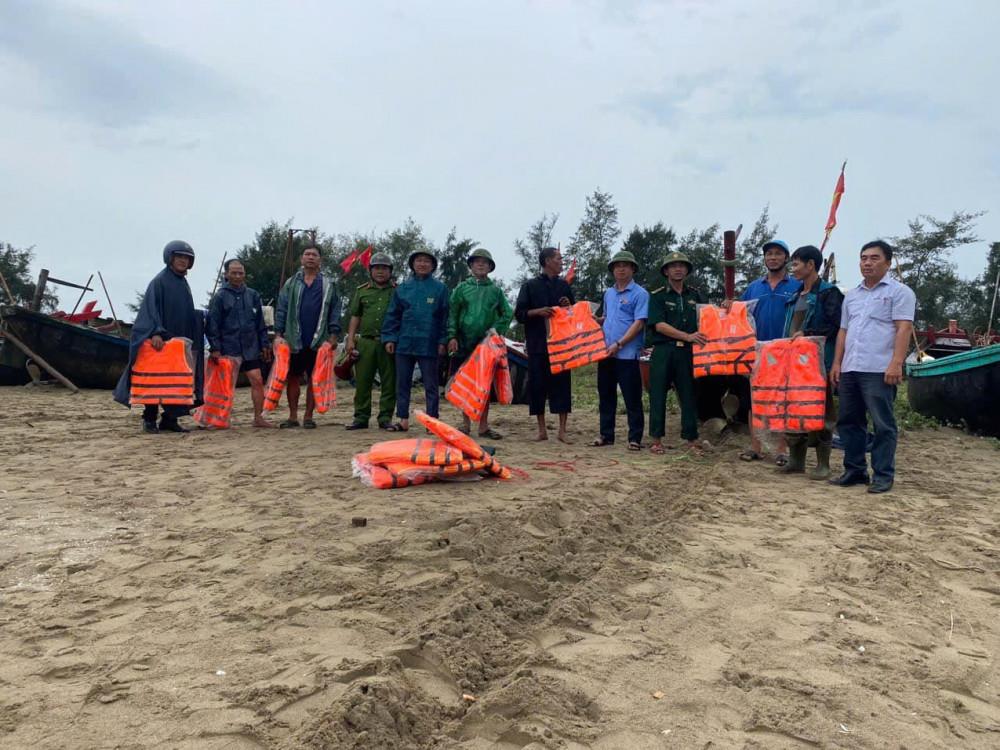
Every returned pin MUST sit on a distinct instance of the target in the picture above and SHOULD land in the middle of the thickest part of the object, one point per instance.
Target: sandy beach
(210, 591)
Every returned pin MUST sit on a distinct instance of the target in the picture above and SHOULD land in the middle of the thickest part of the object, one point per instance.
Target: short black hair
(317, 248)
(231, 261)
(545, 254)
(808, 253)
(882, 245)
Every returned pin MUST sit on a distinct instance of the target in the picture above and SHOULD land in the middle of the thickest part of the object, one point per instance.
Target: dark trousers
(170, 412)
(404, 383)
(613, 374)
(542, 385)
(864, 394)
(671, 365)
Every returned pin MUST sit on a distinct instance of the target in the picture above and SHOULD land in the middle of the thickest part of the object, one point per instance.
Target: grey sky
(129, 124)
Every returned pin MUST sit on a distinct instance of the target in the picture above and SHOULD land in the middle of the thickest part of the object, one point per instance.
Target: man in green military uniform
(364, 344)
(476, 306)
(671, 329)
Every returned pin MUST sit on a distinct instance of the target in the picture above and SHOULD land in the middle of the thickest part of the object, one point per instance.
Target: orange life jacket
(165, 376)
(278, 375)
(220, 387)
(423, 451)
(731, 341)
(324, 386)
(486, 368)
(788, 389)
(381, 477)
(463, 442)
(575, 338)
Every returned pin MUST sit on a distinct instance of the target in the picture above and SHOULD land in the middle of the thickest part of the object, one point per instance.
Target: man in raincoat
(308, 314)
(236, 329)
(476, 306)
(414, 332)
(167, 311)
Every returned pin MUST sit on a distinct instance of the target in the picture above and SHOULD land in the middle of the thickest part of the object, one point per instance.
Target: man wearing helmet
(477, 305)
(167, 311)
(363, 344)
(414, 332)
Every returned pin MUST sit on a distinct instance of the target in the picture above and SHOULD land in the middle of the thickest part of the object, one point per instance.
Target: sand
(209, 591)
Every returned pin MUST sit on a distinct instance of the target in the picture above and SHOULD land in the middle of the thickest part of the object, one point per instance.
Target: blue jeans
(864, 394)
(404, 383)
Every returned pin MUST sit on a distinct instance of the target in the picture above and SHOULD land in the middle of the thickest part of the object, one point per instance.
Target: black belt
(370, 335)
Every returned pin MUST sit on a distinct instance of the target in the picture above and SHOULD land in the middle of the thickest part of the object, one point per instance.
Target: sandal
(749, 455)
(396, 427)
(780, 460)
(657, 449)
(491, 434)
(634, 447)
(288, 424)
(308, 424)
(601, 443)
(357, 426)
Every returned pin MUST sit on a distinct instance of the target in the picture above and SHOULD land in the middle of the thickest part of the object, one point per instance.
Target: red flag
(348, 263)
(571, 273)
(838, 192)
(366, 257)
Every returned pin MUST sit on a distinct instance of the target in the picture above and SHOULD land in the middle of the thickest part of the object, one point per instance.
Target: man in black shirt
(536, 303)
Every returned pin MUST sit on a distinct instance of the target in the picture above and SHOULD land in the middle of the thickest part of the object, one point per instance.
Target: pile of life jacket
(732, 338)
(164, 377)
(324, 385)
(450, 454)
(575, 338)
(278, 376)
(487, 368)
(220, 388)
(788, 386)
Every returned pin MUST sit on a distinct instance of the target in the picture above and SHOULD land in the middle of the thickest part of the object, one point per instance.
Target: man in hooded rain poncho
(167, 311)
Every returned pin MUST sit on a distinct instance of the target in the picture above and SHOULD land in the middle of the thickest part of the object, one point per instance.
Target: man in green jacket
(308, 314)
(477, 305)
(364, 333)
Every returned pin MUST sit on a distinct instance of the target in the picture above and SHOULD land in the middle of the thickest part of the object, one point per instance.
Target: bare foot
(261, 422)
(563, 438)
(539, 438)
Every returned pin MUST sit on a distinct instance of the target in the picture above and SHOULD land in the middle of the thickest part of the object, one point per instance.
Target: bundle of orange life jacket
(788, 386)
(730, 349)
(575, 338)
(278, 376)
(164, 377)
(485, 369)
(220, 388)
(324, 385)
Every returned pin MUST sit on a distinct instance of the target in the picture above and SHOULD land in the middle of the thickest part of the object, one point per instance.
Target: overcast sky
(127, 124)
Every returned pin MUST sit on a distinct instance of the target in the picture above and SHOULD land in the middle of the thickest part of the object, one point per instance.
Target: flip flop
(308, 424)
(491, 434)
(749, 455)
(601, 443)
(397, 427)
(781, 460)
(288, 424)
(634, 447)
(358, 426)
(657, 449)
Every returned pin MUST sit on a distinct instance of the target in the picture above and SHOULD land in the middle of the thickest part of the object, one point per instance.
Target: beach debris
(658, 695)
(359, 521)
(469, 698)
(220, 673)
(861, 649)
(666, 732)
(843, 729)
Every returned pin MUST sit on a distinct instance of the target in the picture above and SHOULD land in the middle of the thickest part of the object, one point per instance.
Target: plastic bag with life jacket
(278, 376)
(164, 377)
(324, 382)
(220, 388)
(423, 451)
(732, 340)
(788, 386)
(485, 370)
(575, 338)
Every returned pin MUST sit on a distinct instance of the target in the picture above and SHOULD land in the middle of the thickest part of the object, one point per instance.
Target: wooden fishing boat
(90, 358)
(962, 388)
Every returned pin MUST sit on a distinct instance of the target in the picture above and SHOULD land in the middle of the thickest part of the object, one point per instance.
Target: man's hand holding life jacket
(157, 342)
(697, 338)
(453, 346)
(542, 312)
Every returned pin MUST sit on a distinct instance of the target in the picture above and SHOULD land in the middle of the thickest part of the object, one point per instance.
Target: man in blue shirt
(772, 293)
(875, 327)
(626, 307)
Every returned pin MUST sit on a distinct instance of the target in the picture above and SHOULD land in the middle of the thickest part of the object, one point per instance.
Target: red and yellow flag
(348, 263)
(571, 273)
(366, 257)
(838, 192)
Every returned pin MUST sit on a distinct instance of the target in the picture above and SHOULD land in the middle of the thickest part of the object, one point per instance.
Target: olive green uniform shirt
(370, 303)
(677, 310)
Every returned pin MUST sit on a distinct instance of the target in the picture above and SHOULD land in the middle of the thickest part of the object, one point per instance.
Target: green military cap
(415, 253)
(482, 252)
(380, 259)
(675, 257)
(622, 256)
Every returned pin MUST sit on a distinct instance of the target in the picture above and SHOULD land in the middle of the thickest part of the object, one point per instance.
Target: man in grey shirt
(875, 327)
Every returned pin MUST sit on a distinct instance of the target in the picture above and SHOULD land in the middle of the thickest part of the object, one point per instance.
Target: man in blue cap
(772, 293)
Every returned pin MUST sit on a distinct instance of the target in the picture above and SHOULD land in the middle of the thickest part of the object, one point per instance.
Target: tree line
(923, 260)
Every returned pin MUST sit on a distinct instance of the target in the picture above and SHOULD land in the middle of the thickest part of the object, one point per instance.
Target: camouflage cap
(380, 259)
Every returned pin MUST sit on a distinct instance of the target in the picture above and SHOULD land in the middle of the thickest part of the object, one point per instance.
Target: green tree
(704, 248)
(649, 245)
(453, 266)
(749, 258)
(591, 245)
(539, 236)
(263, 258)
(15, 265)
(978, 296)
(923, 260)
